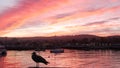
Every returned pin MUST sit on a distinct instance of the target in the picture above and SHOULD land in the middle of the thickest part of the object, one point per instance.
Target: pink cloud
(58, 13)
(25, 10)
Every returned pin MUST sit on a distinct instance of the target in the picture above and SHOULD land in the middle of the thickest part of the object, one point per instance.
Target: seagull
(38, 59)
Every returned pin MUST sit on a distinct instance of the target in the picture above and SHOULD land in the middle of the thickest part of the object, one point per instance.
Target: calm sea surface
(70, 59)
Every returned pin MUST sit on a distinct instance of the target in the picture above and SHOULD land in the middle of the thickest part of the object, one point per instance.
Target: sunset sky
(29, 18)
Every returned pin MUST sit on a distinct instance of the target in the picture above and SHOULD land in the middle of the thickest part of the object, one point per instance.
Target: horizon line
(59, 36)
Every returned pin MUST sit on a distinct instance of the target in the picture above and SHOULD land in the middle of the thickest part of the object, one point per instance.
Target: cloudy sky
(29, 18)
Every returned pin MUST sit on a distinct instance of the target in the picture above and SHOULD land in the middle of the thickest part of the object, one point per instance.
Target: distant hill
(76, 37)
(115, 36)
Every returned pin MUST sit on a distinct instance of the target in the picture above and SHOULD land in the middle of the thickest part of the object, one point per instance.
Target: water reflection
(70, 58)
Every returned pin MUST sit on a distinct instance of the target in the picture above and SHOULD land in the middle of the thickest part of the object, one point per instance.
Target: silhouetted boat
(3, 50)
(57, 51)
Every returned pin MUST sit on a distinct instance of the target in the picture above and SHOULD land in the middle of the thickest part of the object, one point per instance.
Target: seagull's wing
(41, 59)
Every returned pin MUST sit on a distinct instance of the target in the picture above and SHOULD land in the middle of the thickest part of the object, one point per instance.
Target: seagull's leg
(37, 65)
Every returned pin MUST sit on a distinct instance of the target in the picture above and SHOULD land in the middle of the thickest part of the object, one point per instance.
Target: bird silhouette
(38, 59)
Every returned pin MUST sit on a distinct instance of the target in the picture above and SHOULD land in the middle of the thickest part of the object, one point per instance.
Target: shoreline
(73, 48)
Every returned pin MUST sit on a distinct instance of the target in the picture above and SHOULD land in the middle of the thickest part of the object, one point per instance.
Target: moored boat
(57, 51)
(3, 50)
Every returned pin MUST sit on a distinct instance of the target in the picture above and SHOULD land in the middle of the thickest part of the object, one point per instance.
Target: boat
(3, 50)
(57, 51)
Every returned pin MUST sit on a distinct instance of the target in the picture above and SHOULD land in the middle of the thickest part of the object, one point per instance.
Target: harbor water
(68, 59)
